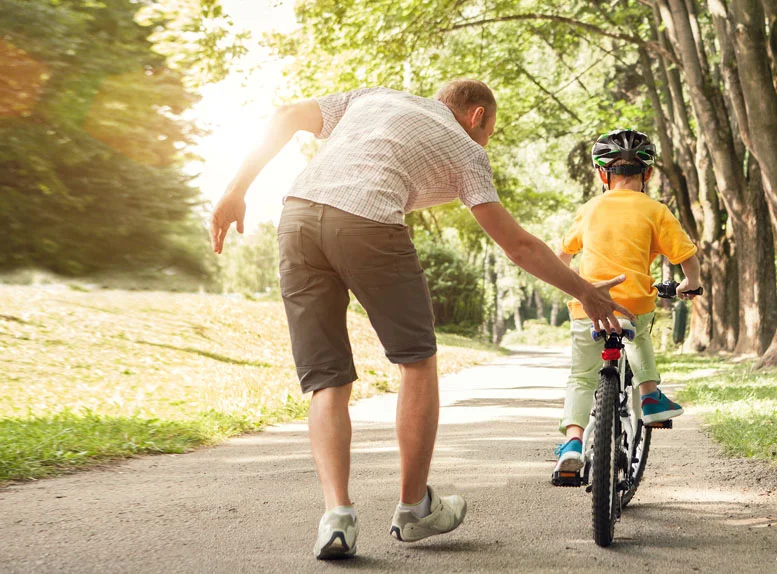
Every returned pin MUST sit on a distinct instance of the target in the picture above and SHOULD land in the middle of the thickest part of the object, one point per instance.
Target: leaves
(92, 140)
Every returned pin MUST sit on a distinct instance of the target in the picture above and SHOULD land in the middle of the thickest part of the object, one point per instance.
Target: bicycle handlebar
(668, 290)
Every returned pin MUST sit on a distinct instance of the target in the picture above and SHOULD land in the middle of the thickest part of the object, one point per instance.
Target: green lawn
(738, 403)
(90, 376)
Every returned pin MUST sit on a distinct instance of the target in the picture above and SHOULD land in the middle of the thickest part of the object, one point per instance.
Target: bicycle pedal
(661, 425)
(566, 478)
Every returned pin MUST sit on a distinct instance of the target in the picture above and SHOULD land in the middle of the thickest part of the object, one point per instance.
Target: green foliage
(249, 265)
(197, 37)
(455, 285)
(91, 143)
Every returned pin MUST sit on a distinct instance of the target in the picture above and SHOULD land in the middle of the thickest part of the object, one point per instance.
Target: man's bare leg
(330, 440)
(418, 411)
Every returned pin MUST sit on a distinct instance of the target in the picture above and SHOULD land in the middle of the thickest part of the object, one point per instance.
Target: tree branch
(652, 46)
(563, 61)
(553, 96)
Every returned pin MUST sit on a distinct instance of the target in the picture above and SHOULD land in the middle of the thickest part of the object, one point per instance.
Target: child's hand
(686, 285)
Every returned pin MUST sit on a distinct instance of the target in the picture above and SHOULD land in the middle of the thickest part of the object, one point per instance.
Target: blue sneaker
(570, 456)
(656, 408)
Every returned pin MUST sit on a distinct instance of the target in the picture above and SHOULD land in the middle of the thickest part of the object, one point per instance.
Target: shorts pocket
(293, 271)
(378, 255)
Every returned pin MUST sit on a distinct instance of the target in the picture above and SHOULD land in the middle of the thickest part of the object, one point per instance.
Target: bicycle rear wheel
(604, 488)
(637, 467)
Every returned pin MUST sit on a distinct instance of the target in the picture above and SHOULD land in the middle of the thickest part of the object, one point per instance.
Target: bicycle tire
(638, 468)
(604, 500)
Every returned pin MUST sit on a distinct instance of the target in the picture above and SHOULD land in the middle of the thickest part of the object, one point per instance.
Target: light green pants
(587, 361)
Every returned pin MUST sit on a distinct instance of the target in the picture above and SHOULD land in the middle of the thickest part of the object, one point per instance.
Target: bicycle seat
(628, 330)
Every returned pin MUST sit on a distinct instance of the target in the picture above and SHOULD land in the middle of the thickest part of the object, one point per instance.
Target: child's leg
(656, 407)
(583, 379)
(586, 362)
(641, 356)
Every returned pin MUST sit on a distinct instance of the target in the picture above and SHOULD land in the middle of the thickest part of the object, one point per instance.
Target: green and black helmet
(629, 145)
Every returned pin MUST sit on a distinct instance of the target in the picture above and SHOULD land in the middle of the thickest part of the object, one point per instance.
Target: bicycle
(616, 443)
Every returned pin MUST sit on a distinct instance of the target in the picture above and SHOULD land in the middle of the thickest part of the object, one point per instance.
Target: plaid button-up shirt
(389, 153)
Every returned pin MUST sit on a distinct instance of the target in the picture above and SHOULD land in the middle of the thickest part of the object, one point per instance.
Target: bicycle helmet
(622, 144)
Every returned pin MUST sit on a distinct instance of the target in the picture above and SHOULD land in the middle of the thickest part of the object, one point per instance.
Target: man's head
(474, 106)
(624, 159)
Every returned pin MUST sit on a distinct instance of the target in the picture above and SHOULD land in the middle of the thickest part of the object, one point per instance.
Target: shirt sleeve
(476, 183)
(573, 238)
(673, 241)
(334, 106)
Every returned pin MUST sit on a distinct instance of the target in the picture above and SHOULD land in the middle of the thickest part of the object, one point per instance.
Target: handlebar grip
(668, 290)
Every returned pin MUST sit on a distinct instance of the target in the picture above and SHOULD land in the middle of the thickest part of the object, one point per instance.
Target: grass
(88, 376)
(738, 403)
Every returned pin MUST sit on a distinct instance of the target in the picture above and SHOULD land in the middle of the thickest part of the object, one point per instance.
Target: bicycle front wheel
(604, 487)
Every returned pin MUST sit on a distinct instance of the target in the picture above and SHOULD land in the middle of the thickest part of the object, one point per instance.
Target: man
(343, 229)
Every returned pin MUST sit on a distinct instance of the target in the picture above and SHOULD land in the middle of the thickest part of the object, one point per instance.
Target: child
(620, 233)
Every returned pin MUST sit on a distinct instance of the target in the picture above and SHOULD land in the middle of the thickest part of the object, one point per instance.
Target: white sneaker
(446, 515)
(337, 534)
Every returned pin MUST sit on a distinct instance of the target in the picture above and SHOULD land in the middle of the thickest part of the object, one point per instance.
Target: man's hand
(600, 307)
(230, 208)
(687, 285)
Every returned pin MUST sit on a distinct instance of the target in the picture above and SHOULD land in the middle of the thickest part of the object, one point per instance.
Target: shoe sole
(336, 549)
(570, 465)
(397, 533)
(661, 417)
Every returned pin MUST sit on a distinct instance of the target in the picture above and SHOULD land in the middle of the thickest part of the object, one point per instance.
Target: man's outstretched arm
(283, 124)
(534, 256)
(566, 258)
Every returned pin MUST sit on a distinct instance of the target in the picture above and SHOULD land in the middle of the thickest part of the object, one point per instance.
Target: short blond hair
(461, 95)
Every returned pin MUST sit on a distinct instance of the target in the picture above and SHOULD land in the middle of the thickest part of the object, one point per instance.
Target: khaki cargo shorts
(324, 253)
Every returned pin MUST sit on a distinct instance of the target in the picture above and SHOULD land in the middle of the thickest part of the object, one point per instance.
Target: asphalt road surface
(253, 504)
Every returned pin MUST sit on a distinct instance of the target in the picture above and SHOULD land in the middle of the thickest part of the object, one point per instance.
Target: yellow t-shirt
(620, 233)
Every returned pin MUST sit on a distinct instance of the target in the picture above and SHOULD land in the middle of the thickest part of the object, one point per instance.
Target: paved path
(253, 504)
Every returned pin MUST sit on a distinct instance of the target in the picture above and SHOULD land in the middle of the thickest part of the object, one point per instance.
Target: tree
(696, 74)
(92, 142)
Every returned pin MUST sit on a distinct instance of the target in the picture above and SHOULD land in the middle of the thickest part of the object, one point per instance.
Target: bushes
(455, 286)
(249, 264)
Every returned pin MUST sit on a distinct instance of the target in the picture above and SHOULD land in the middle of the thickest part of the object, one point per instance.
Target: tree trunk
(770, 9)
(758, 90)
(540, 305)
(760, 99)
(554, 314)
(492, 281)
(724, 296)
(519, 317)
(746, 205)
(757, 282)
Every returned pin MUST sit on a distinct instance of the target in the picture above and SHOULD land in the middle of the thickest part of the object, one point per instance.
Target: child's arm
(691, 270)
